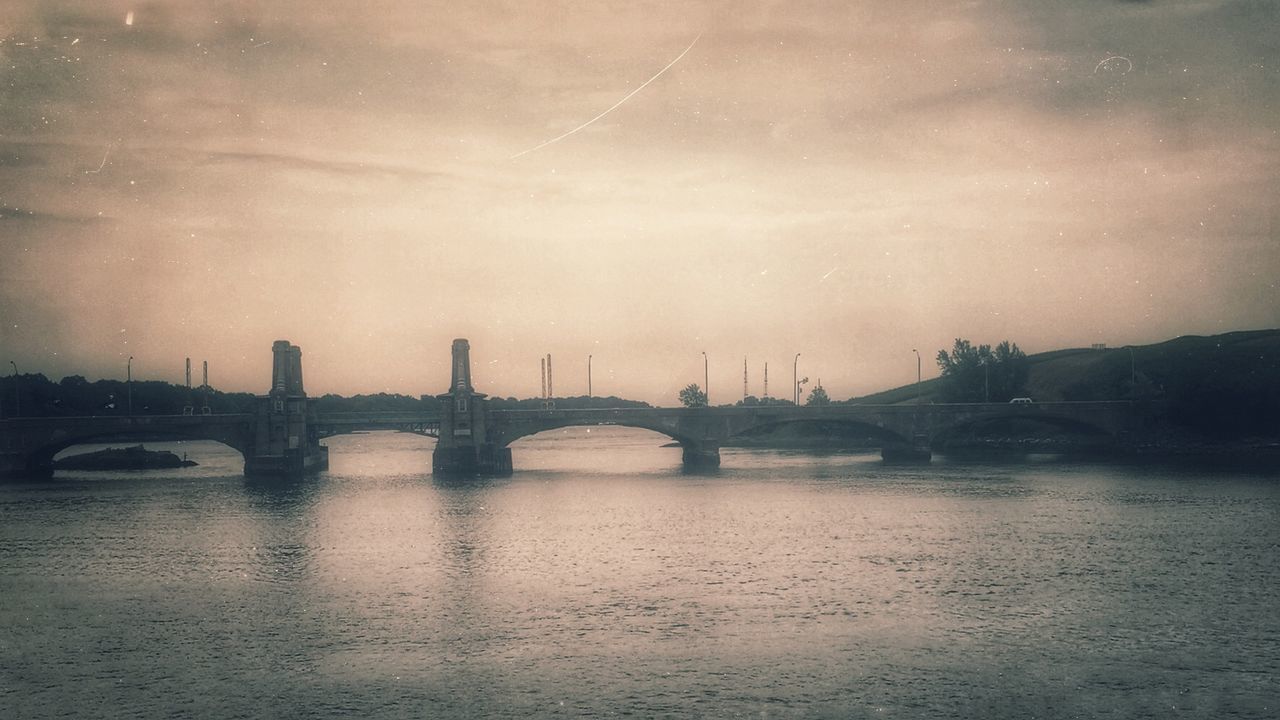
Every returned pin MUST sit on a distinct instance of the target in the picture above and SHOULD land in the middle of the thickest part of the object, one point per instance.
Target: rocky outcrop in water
(130, 458)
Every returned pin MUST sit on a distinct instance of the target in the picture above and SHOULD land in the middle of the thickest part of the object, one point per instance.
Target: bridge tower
(464, 447)
(285, 439)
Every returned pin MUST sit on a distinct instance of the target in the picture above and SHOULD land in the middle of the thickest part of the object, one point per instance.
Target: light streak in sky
(102, 165)
(1109, 58)
(611, 109)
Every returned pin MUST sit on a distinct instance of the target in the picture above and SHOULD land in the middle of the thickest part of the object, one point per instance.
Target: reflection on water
(602, 580)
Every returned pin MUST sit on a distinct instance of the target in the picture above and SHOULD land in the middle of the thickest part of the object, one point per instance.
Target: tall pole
(129, 382)
(17, 397)
(543, 362)
(766, 381)
(706, 375)
(917, 352)
(795, 380)
(1133, 371)
(551, 392)
(588, 376)
(986, 381)
(744, 379)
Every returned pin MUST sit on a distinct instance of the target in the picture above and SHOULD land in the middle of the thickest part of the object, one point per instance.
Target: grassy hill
(1224, 386)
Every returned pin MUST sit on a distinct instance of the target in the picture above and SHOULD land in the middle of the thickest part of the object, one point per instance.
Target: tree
(692, 396)
(976, 374)
(818, 396)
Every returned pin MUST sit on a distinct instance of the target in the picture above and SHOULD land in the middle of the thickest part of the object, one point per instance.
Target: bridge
(282, 437)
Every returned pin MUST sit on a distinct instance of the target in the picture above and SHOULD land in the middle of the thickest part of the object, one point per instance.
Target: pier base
(904, 453)
(293, 463)
(471, 460)
(20, 466)
(701, 457)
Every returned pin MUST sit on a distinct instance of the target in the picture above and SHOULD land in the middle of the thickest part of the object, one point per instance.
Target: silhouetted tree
(818, 396)
(972, 374)
(693, 396)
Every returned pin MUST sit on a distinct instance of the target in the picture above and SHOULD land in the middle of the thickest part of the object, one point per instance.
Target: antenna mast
(204, 398)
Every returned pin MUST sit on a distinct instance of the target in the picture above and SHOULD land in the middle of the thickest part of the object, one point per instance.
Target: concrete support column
(21, 465)
(285, 441)
(471, 460)
(916, 451)
(701, 456)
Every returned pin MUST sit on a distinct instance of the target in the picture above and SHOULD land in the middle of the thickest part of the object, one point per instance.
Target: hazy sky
(845, 180)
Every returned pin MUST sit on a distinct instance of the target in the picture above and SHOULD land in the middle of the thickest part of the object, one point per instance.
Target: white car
(1020, 401)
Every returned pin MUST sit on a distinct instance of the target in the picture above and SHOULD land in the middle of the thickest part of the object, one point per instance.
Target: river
(600, 580)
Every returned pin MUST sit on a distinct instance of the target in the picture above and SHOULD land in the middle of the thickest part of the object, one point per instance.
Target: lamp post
(706, 378)
(588, 376)
(129, 382)
(17, 397)
(917, 352)
(795, 380)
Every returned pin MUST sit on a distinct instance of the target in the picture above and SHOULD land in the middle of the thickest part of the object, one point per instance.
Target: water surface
(601, 580)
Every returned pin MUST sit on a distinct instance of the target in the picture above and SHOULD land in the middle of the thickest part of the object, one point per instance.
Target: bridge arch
(504, 436)
(871, 430)
(39, 461)
(1063, 422)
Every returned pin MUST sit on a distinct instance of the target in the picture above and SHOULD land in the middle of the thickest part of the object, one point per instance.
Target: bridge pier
(485, 460)
(464, 448)
(700, 456)
(918, 450)
(21, 465)
(285, 441)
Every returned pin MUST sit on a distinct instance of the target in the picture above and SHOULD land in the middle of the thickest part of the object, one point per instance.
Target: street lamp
(917, 352)
(795, 381)
(129, 382)
(17, 397)
(706, 378)
(588, 376)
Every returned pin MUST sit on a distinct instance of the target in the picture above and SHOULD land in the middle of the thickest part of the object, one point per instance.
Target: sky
(850, 181)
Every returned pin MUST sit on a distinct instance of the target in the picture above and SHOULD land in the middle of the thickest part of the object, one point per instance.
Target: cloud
(17, 216)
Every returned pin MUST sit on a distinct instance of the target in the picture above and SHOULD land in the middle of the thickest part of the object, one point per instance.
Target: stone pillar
(463, 448)
(701, 456)
(285, 440)
(916, 451)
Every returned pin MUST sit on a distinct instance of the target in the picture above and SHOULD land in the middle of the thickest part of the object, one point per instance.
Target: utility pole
(917, 352)
(766, 381)
(17, 396)
(188, 407)
(706, 381)
(795, 381)
(744, 378)
(129, 382)
(589, 377)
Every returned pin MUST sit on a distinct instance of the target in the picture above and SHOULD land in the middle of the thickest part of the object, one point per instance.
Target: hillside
(1219, 386)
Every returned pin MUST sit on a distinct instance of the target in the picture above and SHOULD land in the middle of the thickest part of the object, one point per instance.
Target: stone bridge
(473, 439)
(282, 437)
(703, 431)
